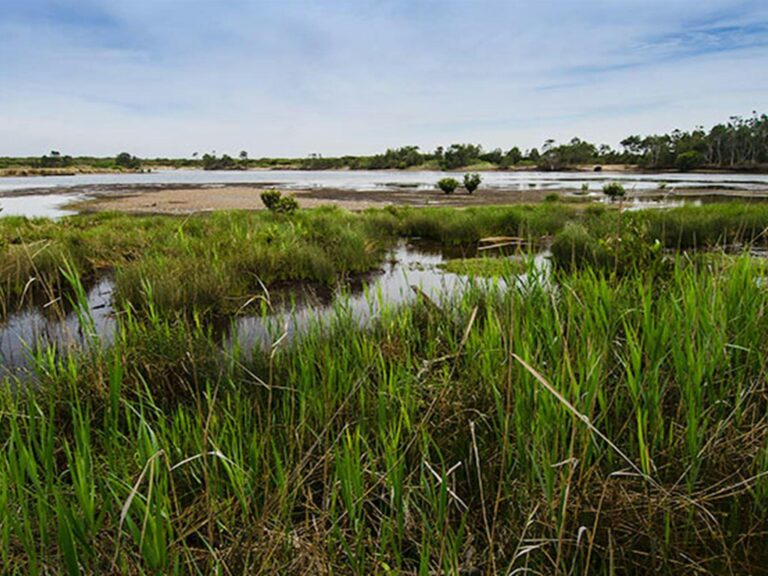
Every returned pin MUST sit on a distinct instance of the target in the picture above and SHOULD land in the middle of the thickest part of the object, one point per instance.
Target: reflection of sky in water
(47, 206)
(24, 330)
(406, 266)
(382, 179)
(362, 180)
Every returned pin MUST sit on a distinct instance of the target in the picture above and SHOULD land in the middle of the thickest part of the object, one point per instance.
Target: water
(33, 327)
(38, 205)
(368, 180)
(408, 265)
(36, 202)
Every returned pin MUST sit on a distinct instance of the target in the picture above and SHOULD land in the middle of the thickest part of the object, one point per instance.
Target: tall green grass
(596, 424)
(219, 262)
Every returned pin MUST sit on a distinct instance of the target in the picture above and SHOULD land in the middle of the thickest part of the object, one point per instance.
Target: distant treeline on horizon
(741, 143)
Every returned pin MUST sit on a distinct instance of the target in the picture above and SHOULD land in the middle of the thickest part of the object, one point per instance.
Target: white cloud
(289, 78)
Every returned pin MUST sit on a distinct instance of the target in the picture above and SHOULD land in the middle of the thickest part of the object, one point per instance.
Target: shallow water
(378, 179)
(30, 328)
(291, 312)
(37, 205)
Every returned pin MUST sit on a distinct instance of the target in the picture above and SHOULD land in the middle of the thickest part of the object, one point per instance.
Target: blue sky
(294, 77)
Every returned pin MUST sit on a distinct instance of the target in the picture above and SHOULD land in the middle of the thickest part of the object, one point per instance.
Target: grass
(219, 263)
(487, 267)
(592, 422)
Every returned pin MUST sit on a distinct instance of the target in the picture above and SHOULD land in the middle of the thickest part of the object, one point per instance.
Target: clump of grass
(488, 267)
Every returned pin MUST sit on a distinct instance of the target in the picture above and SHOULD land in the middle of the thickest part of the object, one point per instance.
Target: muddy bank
(190, 200)
(194, 199)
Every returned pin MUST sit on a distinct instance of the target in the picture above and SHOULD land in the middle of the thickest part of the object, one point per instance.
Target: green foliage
(448, 185)
(287, 205)
(614, 190)
(125, 160)
(488, 267)
(276, 202)
(212, 162)
(472, 182)
(417, 444)
(459, 155)
(687, 161)
(271, 199)
(575, 152)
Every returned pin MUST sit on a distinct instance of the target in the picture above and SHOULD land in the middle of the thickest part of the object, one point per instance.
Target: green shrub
(472, 182)
(271, 199)
(448, 185)
(614, 190)
(287, 205)
(274, 201)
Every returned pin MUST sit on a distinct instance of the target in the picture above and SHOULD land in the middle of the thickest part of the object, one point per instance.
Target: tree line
(741, 143)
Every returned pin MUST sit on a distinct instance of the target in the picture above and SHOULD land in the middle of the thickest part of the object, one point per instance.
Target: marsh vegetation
(607, 417)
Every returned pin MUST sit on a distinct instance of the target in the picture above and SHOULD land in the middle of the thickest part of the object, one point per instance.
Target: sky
(297, 77)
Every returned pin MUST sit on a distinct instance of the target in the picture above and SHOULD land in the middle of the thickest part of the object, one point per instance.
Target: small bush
(276, 202)
(287, 205)
(614, 190)
(553, 197)
(271, 198)
(472, 182)
(448, 185)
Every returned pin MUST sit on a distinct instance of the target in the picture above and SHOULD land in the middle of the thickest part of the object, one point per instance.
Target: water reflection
(289, 314)
(38, 205)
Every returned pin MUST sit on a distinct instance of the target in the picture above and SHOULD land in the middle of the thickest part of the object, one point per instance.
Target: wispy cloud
(297, 76)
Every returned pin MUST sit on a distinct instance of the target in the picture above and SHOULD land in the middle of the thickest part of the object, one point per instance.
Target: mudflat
(195, 199)
(189, 200)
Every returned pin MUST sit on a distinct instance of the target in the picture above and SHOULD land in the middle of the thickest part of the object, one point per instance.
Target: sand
(178, 200)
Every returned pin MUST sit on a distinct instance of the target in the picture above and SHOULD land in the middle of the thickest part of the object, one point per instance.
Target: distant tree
(243, 155)
(576, 152)
(460, 155)
(495, 156)
(397, 158)
(125, 160)
(687, 161)
(211, 162)
(55, 160)
(448, 185)
(472, 182)
(512, 157)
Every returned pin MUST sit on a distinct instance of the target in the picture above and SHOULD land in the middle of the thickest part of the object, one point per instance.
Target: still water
(368, 180)
(292, 311)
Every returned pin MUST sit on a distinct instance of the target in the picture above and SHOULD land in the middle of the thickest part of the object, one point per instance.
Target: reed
(599, 424)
